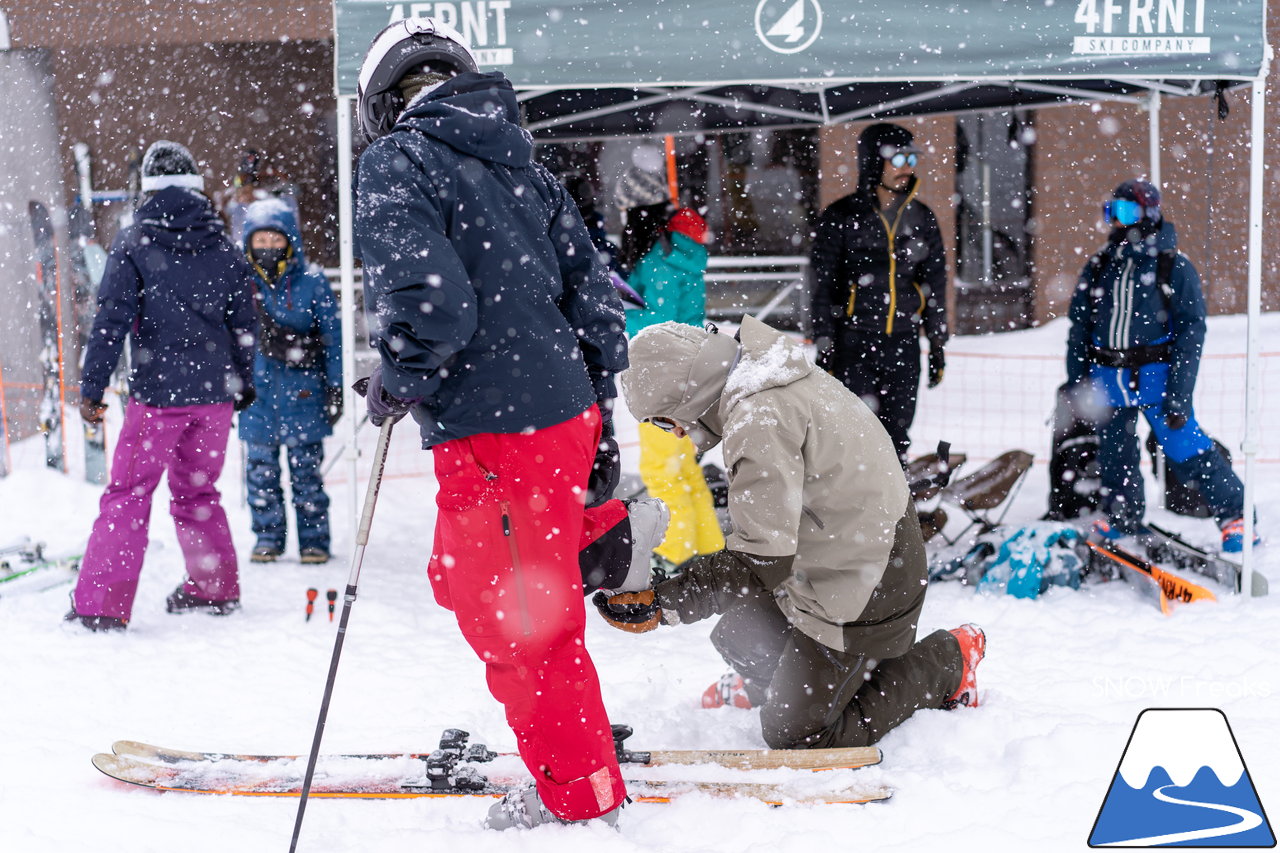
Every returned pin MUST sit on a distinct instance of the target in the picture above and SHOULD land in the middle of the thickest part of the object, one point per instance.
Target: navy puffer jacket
(290, 408)
(182, 289)
(487, 300)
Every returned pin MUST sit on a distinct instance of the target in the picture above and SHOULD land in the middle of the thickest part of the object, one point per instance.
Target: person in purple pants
(178, 288)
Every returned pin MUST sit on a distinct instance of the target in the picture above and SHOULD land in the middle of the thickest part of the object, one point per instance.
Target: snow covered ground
(1064, 679)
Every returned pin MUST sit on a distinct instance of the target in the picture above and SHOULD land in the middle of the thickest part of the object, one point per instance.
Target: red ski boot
(973, 646)
(729, 690)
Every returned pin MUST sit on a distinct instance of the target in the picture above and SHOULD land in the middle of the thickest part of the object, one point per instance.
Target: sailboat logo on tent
(1181, 782)
(788, 26)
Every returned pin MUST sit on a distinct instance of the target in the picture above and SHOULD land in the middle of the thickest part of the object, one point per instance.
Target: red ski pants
(509, 525)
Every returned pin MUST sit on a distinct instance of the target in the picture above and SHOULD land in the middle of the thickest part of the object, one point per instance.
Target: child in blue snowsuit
(1137, 331)
(298, 376)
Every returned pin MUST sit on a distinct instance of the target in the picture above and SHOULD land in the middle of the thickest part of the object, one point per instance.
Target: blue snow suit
(458, 301)
(290, 406)
(182, 289)
(1140, 348)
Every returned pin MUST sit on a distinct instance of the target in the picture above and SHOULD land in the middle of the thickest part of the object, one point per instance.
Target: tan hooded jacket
(812, 476)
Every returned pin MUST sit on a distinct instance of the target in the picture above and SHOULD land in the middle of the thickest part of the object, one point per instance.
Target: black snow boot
(181, 601)
(97, 623)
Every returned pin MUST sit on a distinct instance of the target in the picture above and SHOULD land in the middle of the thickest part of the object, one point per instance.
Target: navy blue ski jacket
(487, 300)
(290, 406)
(1126, 309)
(181, 289)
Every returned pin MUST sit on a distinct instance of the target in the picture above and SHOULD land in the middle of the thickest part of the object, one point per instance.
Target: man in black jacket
(879, 279)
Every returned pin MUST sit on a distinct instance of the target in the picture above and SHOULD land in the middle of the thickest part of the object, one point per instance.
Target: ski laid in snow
(25, 567)
(1170, 546)
(1162, 587)
(458, 768)
(735, 759)
(410, 778)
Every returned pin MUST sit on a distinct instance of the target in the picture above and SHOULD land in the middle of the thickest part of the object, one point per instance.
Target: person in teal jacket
(298, 376)
(669, 280)
(669, 276)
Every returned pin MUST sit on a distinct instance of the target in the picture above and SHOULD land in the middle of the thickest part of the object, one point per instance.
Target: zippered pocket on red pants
(517, 570)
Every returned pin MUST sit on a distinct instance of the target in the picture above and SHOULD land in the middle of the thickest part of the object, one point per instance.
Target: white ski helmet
(398, 49)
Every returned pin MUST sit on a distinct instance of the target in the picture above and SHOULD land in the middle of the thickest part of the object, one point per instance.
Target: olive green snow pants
(814, 697)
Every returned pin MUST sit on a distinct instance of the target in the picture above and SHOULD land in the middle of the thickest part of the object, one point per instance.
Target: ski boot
(524, 809)
(729, 690)
(973, 647)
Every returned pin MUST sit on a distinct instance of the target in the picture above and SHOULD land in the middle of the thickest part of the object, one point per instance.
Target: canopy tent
(604, 68)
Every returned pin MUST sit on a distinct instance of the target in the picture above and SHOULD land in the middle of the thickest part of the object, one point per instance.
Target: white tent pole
(1153, 141)
(1253, 383)
(347, 284)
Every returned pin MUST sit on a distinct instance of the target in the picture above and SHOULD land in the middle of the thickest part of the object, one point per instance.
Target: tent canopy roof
(609, 67)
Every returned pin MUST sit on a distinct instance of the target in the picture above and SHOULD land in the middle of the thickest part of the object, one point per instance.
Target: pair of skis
(458, 768)
(1163, 586)
(26, 567)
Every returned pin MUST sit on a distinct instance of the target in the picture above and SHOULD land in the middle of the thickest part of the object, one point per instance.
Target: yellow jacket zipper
(891, 231)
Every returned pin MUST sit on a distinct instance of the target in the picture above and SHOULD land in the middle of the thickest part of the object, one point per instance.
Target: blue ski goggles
(903, 158)
(1122, 210)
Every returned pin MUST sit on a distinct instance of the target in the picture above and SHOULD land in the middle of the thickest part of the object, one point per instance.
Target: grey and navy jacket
(181, 289)
(1119, 306)
(879, 273)
(487, 299)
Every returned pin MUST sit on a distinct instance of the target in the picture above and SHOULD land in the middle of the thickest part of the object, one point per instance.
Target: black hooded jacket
(878, 273)
(488, 302)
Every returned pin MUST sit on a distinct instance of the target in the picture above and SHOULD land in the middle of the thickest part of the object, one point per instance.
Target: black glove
(244, 398)
(606, 469)
(634, 612)
(333, 404)
(937, 364)
(91, 411)
(1174, 419)
(381, 404)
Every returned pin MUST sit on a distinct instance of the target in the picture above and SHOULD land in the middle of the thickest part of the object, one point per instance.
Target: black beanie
(168, 164)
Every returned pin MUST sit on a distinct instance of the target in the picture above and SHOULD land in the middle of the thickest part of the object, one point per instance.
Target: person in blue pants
(1137, 332)
(298, 375)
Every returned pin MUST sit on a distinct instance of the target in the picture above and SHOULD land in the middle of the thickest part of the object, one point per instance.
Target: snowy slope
(1063, 682)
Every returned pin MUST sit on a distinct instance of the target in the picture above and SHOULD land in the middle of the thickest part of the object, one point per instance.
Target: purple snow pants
(189, 442)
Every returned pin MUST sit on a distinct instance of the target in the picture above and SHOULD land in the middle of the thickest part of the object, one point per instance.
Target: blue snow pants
(1190, 453)
(266, 494)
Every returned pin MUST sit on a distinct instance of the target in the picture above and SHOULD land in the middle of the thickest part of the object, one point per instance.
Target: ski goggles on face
(1122, 210)
(903, 158)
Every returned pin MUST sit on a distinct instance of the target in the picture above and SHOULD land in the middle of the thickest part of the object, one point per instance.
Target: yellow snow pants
(669, 468)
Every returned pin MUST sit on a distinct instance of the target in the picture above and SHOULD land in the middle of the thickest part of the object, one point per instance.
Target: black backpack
(1074, 480)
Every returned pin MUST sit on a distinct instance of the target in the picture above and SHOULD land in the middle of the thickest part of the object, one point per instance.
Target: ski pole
(362, 539)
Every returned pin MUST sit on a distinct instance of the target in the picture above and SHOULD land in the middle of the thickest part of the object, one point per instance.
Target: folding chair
(926, 478)
(986, 489)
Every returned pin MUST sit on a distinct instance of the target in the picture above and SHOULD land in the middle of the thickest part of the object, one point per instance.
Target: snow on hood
(769, 360)
(476, 114)
(273, 214)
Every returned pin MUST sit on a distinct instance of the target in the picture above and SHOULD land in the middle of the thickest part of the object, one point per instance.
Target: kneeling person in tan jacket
(820, 585)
